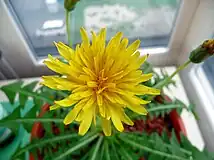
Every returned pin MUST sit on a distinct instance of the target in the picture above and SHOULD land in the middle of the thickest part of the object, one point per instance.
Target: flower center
(101, 84)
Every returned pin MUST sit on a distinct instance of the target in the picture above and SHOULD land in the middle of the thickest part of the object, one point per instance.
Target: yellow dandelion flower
(104, 80)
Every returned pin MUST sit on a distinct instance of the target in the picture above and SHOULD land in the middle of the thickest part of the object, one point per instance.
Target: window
(42, 21)
(208, 67)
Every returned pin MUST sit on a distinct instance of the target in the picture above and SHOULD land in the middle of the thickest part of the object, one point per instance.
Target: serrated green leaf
(48, 129)
(43, 142)
(165, 137)
(185, 143)
(14, 126)
(9, 90)
(30, 114)
(175, 149)
(29, 87)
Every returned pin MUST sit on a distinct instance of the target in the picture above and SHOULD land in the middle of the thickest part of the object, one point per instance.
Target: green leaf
(125, 153)
(76, 147)
(48, 129)
(43, 142)
(6, 122)
(175, 149)
(102, 152)
(164, 136)
(150, 150)
(155, 157)
(95, 153)
(114, 152)
(9, 90)
(29, 87)
(14, 120)
(30, 114)
(106, 150)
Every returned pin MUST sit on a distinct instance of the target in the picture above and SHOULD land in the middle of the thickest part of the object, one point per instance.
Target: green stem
(161, 84)
(76, 147)
(164, 107)
(68, 29)
(147, 149)
(44, 142)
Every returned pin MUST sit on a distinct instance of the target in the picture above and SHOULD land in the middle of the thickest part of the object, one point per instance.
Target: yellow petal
(144, 78)
(138, 100)
(59, 82)
(115, 117)
(92, 84)
(138, 109)
(126, 119)
(141, 90)
(143, 59)
(71, 116)
(89, 103)
(80, 116)
(124, 43)
(102, 109)
(106, 125)
(80, 88)
(99, 100)
(84, 35)
(133, 47)
(66, 102)
(89, 72)
(86, 122)
(64, 50)
(55, 106)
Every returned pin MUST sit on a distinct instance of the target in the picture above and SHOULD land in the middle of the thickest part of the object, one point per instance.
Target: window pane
(208, 67)
(42, 21)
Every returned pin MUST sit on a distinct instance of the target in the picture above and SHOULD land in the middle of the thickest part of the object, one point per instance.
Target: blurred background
(168, 29)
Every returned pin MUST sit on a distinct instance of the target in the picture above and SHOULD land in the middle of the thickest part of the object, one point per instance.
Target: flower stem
(165, 107)
(68, 29)
(161, 84)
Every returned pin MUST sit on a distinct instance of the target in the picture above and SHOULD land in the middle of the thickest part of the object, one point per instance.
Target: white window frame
(198, 87)
(17, 51)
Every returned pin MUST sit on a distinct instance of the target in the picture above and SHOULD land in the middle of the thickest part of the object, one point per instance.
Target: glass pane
(208, 67)
(42, 21)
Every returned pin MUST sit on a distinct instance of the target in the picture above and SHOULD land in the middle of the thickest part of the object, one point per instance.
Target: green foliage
(14, 120)
(11, 90)
(155, 147)
(24, 92)
(148, 68)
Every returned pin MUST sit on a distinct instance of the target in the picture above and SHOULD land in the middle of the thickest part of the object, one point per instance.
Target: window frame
(160, 56)
(197, 85)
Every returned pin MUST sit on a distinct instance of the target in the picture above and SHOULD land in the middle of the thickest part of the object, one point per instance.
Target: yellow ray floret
(103, 80)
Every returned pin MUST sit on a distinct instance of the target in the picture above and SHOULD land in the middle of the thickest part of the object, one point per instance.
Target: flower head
(104, 80)
(203, 52)
(70, 4)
